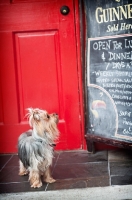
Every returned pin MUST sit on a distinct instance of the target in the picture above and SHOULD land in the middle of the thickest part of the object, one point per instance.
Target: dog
(36, 147)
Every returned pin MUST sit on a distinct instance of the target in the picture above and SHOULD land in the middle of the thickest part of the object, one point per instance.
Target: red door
(38, 68)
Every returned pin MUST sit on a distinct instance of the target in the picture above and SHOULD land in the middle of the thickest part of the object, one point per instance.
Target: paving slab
(98, 193)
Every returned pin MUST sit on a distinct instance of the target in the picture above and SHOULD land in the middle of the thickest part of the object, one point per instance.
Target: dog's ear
(30, 111)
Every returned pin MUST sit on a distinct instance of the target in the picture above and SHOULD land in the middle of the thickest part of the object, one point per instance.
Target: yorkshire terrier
(35, 147)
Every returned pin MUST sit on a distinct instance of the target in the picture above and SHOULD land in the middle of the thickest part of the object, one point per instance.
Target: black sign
(109, 68)
(108, 17)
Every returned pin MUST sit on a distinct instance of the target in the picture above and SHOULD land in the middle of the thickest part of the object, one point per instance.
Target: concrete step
(95, 193)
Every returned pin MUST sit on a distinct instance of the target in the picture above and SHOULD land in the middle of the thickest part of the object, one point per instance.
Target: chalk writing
(110, 64)
(124, 113)
(102, 45)
(120, 56)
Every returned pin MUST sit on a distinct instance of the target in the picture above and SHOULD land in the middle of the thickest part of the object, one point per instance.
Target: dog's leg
(22, 170)
(35, 179)
(47, 176)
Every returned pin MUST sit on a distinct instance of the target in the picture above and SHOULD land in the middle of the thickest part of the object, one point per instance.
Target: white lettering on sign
(120, 56)
(113, 14)
(111, 69)
(124, 113)
(102, 45)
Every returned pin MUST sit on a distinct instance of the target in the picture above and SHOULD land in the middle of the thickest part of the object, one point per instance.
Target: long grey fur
(30, 149)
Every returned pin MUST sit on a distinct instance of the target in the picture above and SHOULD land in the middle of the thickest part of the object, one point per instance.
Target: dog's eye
(48, 116)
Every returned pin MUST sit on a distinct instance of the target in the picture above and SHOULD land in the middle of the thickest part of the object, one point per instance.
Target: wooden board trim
(108, 141)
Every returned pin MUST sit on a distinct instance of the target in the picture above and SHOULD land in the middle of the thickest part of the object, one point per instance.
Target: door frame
(80, 65)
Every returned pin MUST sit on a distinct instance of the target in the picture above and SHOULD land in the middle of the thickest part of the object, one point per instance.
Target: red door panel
(38, 69)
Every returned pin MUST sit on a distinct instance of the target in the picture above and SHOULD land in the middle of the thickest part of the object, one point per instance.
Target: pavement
(95, 193)
(105, 175)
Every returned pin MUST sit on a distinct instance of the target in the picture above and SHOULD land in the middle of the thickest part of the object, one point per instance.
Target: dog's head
(43, 122)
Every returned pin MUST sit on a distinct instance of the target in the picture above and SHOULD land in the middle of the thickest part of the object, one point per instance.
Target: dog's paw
(36, 184)
(23, 173)
(49, 180)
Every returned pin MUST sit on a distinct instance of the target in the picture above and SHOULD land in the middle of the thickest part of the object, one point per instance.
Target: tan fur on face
(44, 122)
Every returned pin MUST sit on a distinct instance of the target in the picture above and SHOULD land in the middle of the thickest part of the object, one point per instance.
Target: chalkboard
(110, 86)
(109, 69)
(108, 17)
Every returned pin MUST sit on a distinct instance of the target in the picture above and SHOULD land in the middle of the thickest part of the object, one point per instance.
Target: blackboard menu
(109, 68)
(108, 17)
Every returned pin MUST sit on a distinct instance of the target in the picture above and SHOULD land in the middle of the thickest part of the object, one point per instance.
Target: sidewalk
(98, 193)
(87, 174)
